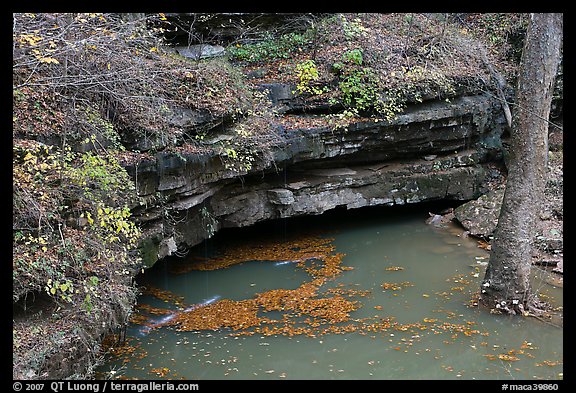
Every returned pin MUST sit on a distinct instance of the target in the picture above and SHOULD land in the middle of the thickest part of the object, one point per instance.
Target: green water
(443, 270)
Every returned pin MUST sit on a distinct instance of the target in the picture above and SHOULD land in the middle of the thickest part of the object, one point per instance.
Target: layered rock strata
(435, 150)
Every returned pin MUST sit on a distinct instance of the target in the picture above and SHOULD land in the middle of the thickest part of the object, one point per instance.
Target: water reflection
(168, 318)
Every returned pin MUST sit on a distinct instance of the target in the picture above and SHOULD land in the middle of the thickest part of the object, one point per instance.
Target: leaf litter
(310, 310)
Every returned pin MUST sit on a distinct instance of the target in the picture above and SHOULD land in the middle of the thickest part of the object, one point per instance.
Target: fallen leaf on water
(526, 345)
(508, 358)
(161, 372)
(549, 363)
(394, 268)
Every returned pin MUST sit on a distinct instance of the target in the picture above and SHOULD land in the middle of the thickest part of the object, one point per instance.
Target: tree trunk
(506, 285)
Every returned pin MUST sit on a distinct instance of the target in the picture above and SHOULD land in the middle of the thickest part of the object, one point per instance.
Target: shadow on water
(413, 287)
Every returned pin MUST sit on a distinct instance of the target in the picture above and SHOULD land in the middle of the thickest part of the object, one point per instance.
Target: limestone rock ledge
(434, 150)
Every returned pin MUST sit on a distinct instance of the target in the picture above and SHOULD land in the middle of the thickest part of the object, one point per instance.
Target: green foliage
(93, 172)
(353, 56)
(114, 225)
(103, 127)
(64, 290)
(359, 87)
(271, 48)
(238, 158)
(100, 178)
(91, 290)
(362, 90)
(353, 29)
(70, 209)
(307, 73)
(252, 136)
(209, 222)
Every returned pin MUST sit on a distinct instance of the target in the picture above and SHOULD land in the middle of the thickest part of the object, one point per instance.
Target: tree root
(540, 318)
(542, 311)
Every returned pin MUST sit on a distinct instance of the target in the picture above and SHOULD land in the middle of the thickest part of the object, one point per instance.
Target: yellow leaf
(153, 49)
(29, 39)
(48, 60)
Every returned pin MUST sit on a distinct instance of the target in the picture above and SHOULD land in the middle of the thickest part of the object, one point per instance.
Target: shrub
(307, 74)
(70, 209)
(271, 48)
(75, 75)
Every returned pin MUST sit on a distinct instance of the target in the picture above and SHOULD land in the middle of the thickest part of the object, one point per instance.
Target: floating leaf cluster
(394, 268)
(396, 286)
(164, 295)
(318, 307)
(305, 310)
(311, 309)
(224, 313)
(298, 250)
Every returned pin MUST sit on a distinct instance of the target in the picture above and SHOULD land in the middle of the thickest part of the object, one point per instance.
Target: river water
(412, 286)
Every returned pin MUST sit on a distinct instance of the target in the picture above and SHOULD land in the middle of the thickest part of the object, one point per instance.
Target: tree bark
(506, 285)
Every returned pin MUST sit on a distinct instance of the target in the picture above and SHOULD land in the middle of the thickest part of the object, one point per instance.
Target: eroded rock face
(480, 216)
(435, 150)
(315, 191)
